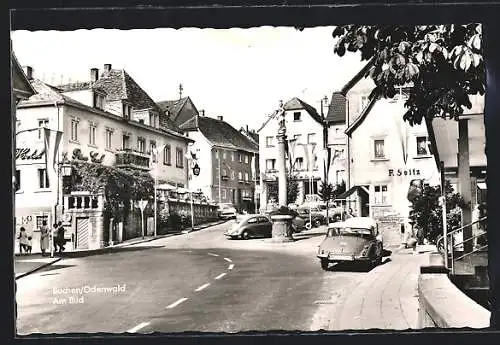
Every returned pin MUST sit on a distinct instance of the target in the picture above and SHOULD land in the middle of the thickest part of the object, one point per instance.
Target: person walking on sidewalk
(44, 237)
(60, 236)
(24, 241)
(55, 237)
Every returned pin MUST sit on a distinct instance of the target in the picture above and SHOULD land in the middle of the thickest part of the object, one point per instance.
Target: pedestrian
(24, 241)
(60, 234)
(412, 238)
(403, 237)
(44, 237)
(55, 237)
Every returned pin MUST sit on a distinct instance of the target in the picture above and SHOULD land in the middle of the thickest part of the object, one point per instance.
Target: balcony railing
(129, 158)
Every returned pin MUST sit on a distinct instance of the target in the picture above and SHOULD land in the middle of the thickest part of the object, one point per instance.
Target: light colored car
(355, 240)
(253, 225)
(227, 211)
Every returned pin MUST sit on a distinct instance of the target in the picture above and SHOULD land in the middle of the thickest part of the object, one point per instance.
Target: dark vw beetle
(356, 239)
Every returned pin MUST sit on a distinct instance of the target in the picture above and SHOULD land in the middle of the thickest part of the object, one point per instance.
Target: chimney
(29, 72)
(247, 129)
(202, 111)
(220, 118)
(107, 67)
(94, 74)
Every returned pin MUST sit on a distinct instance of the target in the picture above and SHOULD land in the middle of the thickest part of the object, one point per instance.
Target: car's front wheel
(324, 264)
(245, 235)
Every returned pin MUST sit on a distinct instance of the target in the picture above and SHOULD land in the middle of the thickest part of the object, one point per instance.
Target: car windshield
(353, 231)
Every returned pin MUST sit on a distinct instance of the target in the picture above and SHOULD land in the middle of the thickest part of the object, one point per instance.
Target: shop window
(380, 195)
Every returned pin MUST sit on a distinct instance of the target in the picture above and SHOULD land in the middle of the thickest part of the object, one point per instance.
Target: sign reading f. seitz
(25, 153)
(404, 172)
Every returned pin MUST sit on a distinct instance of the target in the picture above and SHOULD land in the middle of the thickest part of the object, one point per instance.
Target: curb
(106, 250)
(37, 268)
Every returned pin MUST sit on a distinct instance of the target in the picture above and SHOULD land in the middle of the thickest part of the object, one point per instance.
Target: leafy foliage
(427, 212)
(326, 191)
(292, 190)
(339, 189)
(443, 62)
(120, 186)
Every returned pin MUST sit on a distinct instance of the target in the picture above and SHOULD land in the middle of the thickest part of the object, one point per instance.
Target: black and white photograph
(270, 178)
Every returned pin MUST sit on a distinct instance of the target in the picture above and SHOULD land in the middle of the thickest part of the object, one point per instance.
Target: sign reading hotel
(404, 172)
(26, 153)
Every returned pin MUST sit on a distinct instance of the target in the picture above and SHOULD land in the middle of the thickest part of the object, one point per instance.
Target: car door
(252, 226)
(265, 227)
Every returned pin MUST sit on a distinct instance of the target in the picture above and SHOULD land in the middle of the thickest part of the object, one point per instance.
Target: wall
(83, 96)
(355, 104)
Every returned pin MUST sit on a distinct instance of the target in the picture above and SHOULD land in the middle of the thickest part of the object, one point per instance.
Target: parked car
(227, 211)
(253, 225)
(298, 223)
(315, 220)
(355, 240)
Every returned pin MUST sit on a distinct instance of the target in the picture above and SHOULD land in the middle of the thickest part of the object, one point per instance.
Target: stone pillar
(282, 228)
(464, 180)
(282, 185)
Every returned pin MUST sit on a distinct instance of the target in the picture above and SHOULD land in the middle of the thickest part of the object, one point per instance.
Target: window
(42, 123)
(246, 159)
(422, 148)
(379, 148)
(240, 176)
(74, 130)
(216, 154)
(311, 138)
(43, 178)
(224, 172)
(109, 137)
(270, 164)
(296, 116)
(233, 175)
(152, 149)
(223, 192)
(141, 121)
(18, 180)
(224, 155)
(299, 163)
(364, 102)
(298, 138)
(232, 156)
(269, 141)
(126, 141)
(240, 157)
(92, 134)
(127, 109)
(39, 221)
(98, 101)
(247, 178)
(339, 176)
(141, 145)
(167, 155)
(179, 158)
(380, 196)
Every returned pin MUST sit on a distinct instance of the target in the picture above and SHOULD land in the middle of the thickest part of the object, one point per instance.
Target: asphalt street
(193, 282)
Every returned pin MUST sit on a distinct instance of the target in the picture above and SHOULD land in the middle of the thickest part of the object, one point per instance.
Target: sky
(240, 74)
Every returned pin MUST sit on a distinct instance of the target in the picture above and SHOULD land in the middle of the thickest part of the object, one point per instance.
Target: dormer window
(98, 100)
(127, 110)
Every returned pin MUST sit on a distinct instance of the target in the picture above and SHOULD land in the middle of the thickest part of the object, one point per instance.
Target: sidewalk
(27, 264)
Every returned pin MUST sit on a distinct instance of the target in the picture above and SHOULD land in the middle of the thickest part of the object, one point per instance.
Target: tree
(443, 62)
(427, 212)
(292, 190)
(326, 192)
(339, 189)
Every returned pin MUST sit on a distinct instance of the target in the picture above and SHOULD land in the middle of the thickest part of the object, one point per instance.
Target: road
(193, 282)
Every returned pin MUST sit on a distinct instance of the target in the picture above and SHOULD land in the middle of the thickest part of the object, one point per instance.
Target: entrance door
(82, 233)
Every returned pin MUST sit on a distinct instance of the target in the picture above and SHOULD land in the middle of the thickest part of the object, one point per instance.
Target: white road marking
(138, 327)
(212, 254)
(202, 287)
(220, 276)
(231, 266)
(227, 259)
(175, 304)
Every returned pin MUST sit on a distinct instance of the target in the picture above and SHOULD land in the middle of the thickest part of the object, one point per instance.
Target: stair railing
(450, 251)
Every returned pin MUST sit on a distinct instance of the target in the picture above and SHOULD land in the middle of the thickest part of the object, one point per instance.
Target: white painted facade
(299, 126)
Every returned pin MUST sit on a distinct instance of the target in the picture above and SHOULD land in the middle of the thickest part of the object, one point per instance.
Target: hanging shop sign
(26, 153)
(404, 172)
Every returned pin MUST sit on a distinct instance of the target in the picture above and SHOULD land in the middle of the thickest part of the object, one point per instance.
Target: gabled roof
(173, 107)
(20, 82)
(220, 133)
(298, 104)
(337, 109)
(252, 135)
(120, 86)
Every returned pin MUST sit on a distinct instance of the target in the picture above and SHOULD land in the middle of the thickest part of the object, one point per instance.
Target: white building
(306, 142)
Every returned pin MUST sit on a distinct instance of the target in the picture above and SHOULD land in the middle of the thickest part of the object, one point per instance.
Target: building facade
(387, 154)
(306, 144)
(107, 120)
(228, 161)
